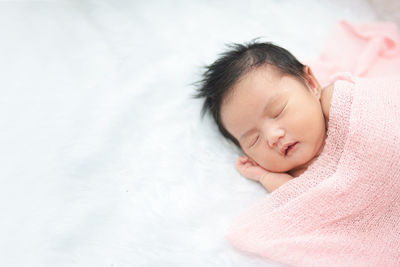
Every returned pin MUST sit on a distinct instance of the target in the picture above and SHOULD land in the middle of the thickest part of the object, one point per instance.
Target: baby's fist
(249, 168)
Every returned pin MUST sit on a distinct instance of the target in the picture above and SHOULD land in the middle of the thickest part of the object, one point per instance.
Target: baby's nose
(274, 136)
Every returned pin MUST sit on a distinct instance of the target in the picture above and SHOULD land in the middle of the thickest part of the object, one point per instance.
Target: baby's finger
(242, 168)
(240, 161)
(243, 159)
(238, 164)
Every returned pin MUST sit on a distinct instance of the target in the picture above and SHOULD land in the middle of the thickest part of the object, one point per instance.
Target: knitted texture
(344, 210)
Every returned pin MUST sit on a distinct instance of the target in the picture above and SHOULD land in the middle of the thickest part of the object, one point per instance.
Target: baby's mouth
(289, 148)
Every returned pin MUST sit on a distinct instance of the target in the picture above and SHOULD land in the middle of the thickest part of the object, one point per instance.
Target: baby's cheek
(265, 162)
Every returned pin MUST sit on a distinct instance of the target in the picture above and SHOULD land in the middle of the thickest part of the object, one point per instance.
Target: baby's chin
(303, 165)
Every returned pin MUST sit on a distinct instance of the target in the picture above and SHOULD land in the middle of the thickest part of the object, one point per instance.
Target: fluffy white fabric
(104, 158)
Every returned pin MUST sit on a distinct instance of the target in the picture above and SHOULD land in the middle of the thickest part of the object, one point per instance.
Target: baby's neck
(296, 173)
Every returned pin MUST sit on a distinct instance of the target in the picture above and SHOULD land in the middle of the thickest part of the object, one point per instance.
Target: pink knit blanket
(345, 209)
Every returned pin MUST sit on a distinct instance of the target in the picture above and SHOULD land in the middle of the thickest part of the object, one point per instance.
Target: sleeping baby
(271, 106)
(342, 209)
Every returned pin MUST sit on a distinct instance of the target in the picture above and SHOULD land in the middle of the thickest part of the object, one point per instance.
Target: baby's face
(268, 110)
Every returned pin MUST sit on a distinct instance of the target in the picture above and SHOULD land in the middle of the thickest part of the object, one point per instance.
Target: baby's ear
(312, 81)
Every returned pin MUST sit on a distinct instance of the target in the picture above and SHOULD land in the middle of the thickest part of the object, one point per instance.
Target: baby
(271, 106)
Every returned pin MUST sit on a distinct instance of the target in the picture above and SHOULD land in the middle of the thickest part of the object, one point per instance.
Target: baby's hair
(220, 76)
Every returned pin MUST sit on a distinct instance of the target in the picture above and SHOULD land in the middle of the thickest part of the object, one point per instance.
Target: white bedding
(104, 158)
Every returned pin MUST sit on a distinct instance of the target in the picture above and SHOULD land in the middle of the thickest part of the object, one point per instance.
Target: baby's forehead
(266, 71)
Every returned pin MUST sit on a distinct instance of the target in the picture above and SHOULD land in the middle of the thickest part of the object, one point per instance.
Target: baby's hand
(270, 180)
(250, 169)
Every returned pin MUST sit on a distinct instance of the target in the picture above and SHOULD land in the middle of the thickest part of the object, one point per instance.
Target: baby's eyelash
(277, 115)
(255, 141)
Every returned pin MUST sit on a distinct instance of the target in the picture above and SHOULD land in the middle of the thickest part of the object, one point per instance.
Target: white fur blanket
(104, 158)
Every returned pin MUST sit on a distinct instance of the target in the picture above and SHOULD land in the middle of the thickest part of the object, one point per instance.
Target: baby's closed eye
(254, 140)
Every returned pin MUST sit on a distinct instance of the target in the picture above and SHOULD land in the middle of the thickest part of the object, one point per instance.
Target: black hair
(219, 77)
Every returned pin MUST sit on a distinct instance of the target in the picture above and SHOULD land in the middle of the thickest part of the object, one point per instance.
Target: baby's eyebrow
(267, 106)
(271, 101)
